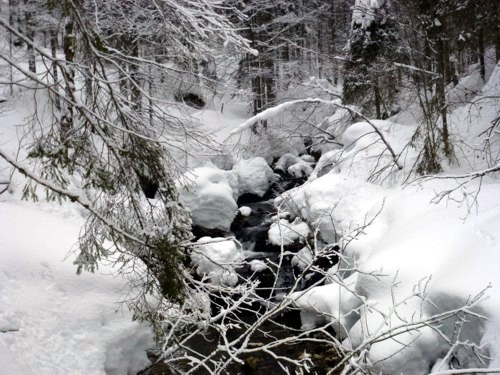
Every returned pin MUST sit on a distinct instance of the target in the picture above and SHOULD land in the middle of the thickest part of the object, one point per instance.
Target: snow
(296, 166)
(286, 233)
(245, 210)
(216, 259)
(254, 176)
(257, 265)
(404, 259)
(209, 197)
(416, 260)
(55, 314)
(302, 259)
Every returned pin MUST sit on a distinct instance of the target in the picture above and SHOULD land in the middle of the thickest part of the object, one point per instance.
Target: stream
(251, 231)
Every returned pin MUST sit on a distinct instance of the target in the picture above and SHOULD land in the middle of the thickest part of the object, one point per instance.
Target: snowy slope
(58, 322)
(405, 301)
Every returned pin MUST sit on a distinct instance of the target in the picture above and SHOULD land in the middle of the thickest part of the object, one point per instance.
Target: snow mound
(217, 258)
(209, 197)
(332, 203)
(254, 176)
(423, 262)
(366, 155)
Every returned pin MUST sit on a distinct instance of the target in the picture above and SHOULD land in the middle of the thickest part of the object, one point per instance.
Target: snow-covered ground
(51, 320)
(418, 289)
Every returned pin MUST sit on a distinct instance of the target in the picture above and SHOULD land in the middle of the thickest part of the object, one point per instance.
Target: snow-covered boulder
(296, 166)
(210, 198)
(316, 305)
(303, 258)
(335, 204)
(254, 176)
(216, 258)
(285, 233)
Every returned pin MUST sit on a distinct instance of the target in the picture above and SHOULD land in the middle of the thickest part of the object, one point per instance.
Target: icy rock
(209, 197)
(286, 161)
(301, 169)
(296, 166)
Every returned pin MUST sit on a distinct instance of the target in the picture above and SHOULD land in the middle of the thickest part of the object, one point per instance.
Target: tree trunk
(30, 34)
(135, 90)
(55, 74)
(480, 46)
(12, 8)
(69, 54)
(378, 100)
(441, 94)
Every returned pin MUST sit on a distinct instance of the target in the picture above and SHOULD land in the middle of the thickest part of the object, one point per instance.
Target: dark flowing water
(251, 231)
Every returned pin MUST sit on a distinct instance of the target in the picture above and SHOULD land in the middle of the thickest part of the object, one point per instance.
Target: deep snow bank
(418, 287)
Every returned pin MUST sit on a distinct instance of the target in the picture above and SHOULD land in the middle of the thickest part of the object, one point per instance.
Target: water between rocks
(251, 232)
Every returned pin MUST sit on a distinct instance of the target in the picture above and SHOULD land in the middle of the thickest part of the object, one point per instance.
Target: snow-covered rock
(333, 203)
(209, 197)
(296, 166)
(257, 265)
(245, 210)
(254, 176)
(285, 233)
(316, 305)
(216, 258)
(302, 259)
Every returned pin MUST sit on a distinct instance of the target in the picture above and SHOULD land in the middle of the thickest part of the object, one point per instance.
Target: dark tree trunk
(69, 54)
(30, 34)
(55, 74)
(480, 46)
(135, 89)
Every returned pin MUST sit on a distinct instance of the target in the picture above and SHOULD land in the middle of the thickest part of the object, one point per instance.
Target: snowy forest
(249, 187)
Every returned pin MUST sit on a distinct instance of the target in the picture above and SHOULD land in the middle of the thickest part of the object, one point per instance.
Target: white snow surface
(60, 323)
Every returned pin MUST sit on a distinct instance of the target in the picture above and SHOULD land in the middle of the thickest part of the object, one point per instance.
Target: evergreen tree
(370, 74)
